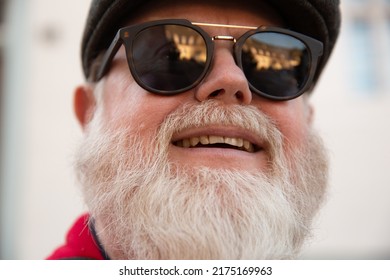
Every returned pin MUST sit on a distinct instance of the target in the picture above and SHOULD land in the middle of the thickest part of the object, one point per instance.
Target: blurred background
(40, 66)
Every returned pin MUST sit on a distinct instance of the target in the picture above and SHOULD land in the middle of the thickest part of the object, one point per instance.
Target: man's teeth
(210, 140)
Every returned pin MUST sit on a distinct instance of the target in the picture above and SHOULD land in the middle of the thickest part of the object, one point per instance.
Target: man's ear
(84, 104)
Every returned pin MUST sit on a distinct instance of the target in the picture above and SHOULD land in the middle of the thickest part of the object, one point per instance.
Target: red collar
(81, 243)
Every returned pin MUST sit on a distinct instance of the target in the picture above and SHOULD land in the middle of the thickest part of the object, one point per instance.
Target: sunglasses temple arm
(109, 55)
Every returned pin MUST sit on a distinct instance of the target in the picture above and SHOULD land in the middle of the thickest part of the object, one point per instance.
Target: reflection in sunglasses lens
(275, 64)
(169, 57)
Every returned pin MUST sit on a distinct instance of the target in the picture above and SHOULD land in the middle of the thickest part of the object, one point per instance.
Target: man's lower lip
(225, 158)
(216, 151)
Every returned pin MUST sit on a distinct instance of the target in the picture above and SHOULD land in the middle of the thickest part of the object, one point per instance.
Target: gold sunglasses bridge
(224, 38)
(224, 25)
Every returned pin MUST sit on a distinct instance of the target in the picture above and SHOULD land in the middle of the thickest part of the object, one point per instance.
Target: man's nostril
(240, 95)
(215, 93)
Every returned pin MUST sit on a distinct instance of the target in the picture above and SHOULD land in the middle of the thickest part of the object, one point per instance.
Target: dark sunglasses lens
(169, 58)
(276, 64)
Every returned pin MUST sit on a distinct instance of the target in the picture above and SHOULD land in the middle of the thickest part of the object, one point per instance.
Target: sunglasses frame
(126, 35)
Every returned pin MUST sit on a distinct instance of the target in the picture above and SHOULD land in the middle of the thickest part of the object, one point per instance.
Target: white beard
(148, 208)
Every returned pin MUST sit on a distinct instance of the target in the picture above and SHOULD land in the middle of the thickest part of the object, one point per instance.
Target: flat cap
(319, 19)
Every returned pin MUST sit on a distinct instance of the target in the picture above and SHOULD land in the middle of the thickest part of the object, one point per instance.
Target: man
(198, 128)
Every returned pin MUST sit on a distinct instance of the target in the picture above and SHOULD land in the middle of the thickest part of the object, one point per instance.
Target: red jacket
(81, 243)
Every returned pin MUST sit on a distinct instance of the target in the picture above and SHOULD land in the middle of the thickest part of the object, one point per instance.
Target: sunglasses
(172, 56)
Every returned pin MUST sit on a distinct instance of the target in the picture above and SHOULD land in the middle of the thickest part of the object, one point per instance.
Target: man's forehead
(247, 12)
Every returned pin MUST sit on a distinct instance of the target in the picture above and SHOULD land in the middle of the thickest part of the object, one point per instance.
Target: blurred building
(367, 30)
(39, 198)
(2, 12)
(352, 102)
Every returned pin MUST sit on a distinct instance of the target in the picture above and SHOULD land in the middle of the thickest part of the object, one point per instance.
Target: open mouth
(213, 141)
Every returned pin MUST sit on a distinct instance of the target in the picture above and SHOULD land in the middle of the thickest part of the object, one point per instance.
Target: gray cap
(319, 19)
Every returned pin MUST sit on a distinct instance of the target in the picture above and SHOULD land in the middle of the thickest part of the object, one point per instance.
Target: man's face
(210, 168)
(127, 103)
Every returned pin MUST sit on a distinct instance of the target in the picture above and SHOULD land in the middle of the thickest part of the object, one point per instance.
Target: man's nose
(225, 81)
